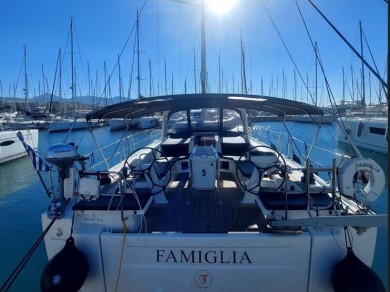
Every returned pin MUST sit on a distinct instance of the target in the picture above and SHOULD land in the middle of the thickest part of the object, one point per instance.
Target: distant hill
(85, 100)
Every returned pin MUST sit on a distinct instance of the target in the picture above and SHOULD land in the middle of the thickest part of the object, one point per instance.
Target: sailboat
(74, 123)
(205, 205)
(324, 119)
(143, 122)
(30, 119)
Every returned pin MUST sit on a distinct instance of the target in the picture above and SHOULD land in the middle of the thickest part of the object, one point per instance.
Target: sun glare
(220, 6)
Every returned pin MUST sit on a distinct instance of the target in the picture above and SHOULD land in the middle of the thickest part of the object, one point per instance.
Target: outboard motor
(63, 156)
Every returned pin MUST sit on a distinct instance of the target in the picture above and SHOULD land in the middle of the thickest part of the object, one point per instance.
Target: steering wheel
(150, 170)
(247, 163)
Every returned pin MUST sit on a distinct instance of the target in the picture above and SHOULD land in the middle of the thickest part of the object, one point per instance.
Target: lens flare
(220, 7)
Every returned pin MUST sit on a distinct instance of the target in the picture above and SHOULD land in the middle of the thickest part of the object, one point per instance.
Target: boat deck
(204, 211)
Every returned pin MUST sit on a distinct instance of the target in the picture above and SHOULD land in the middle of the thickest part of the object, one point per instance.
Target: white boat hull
(117, 124)
(11, 147)
(219, 262)
(368, 133)
(148, 122)
(33, 124)
(65, 125)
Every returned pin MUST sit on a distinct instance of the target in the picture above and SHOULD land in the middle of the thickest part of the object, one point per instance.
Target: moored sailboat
(207, 201)
(207, 205)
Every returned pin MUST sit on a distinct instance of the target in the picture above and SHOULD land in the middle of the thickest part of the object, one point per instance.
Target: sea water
(22, 200)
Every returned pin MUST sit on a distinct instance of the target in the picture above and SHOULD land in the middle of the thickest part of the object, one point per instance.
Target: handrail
(129, 144)
(261, 135)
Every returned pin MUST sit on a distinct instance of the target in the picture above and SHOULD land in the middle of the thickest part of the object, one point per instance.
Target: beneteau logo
(202, 279)
(60, 231)
(202, 257)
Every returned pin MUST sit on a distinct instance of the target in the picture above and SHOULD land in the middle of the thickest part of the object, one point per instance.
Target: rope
(12, 277)
(349, 45)
(348, 239)
(121, 257)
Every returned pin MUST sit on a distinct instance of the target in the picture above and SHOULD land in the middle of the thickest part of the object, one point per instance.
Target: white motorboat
(118, 124)
(11, 147)
(148, 122)
(369, 132)
(207, 206)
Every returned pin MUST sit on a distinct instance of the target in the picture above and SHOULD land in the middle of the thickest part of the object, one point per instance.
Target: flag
(38, 163)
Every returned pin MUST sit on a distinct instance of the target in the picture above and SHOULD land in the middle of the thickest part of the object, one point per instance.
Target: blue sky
(170, 36)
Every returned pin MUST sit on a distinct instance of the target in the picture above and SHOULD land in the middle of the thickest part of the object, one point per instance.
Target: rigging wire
(349, 45)
(12, 277)
(54, 84)
(288, 52)
(121, 52)
(330, 94)
(17, 81)
(376, 67)
(329, 90)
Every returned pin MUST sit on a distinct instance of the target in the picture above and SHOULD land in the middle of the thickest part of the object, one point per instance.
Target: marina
(228, 181)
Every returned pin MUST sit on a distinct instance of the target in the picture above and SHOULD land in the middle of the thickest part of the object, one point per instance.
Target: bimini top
(147, 106)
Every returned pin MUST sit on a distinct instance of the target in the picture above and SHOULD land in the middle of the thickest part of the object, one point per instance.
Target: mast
(219, 71)
(73, 87)
(109, 86)
(343, 97)
(89, 80)
(165, 77)
(361, 49)
(353, 89)
(105, 81)
(316, 86)
(283, 87)
(369, 83)
(172, 84)
(25, 79)
(203, 50)
(295, 86)
(261, 86)
(350, 46)
(150, 77)
(43, 85)
(307, 91)
(120, 79)
(203, 72)
(243, 75)
(196, 91)
(60, 81)
(138, 64)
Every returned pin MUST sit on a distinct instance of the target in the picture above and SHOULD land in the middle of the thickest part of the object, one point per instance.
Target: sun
(220, 7)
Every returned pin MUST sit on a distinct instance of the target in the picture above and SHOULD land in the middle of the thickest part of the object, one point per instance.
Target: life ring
(373, 171)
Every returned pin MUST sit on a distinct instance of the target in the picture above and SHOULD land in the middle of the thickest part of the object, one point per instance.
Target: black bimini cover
(148, 106)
